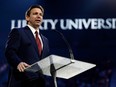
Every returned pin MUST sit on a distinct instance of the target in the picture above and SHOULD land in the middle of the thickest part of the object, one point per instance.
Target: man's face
(35, 18)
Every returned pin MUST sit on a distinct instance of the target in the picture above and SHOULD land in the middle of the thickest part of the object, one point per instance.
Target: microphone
(69, 47)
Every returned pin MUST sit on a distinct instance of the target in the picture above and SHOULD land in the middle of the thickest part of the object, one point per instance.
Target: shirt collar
(32, 29)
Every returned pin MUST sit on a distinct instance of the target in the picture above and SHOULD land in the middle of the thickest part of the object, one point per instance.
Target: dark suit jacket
(21, 47)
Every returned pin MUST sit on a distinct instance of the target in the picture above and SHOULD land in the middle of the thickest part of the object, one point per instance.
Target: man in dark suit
(22, 50)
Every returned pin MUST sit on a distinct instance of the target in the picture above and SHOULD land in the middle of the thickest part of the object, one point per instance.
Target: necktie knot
(36, 33)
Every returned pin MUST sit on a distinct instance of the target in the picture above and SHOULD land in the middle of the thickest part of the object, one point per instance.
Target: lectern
(61, 67)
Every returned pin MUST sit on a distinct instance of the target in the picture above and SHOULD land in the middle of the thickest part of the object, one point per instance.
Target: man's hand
(21, 66)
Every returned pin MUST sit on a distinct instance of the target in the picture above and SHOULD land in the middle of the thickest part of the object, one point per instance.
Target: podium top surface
(63, 66)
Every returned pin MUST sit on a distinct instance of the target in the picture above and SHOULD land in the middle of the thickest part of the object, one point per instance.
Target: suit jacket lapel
(44, 45)
(31, 37)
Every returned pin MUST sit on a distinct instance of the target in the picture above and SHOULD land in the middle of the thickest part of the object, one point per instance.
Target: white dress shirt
(33, 31)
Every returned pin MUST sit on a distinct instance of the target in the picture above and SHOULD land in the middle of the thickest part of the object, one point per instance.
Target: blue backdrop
(91, 44)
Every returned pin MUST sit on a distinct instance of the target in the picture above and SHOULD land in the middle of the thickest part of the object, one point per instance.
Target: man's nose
(38, 16)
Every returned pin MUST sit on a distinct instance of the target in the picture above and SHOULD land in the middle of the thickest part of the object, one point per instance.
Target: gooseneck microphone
(53, 71)
(69, 47)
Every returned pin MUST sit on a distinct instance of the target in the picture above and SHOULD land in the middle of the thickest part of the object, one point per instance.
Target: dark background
(95, 46)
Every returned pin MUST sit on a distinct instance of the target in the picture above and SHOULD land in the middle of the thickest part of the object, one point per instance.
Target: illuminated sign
(71, 24)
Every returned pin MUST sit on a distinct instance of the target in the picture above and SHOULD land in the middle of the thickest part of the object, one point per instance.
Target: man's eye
(41, 14)
(35, 13)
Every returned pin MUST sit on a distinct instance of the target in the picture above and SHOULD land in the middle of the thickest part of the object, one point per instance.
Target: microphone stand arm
(69, 47)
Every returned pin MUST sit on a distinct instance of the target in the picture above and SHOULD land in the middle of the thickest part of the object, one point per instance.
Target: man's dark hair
(34, 6)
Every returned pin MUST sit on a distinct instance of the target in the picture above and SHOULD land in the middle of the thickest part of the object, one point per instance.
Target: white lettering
(70, 24)
(64, 25)
(86, 24)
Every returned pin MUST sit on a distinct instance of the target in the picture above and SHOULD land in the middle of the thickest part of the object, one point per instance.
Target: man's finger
(22, 66)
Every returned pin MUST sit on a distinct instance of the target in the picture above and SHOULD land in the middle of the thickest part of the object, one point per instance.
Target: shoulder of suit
(21, 29)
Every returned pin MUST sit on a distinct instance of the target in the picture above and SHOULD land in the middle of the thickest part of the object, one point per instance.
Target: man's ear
(27, 18)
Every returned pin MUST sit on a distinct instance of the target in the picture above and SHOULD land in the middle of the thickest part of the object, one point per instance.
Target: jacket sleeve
(11, 49)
